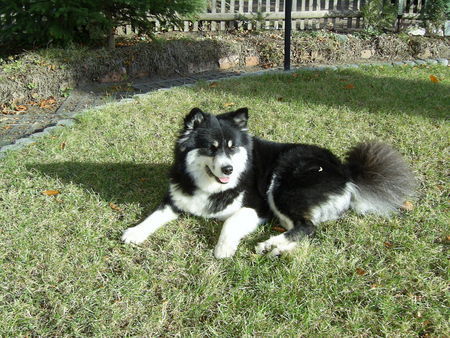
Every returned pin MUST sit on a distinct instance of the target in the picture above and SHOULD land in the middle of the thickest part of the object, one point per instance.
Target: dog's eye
(213, 147)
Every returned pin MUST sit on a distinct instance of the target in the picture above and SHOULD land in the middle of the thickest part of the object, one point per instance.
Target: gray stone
(387, 64)
(38, 135)
(10, 147)
(420, 62)
(52, 128)
(66, 122)
(431, 61)
(398, 63)
(25, 141)
(349, 66)
(443, 62)
(410, 63)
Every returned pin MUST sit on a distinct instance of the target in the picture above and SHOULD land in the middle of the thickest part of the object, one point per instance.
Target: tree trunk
(111, 39)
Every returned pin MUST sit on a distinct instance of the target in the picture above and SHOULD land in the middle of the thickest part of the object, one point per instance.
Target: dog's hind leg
(288, 240)
(236, 227)
(157, 219)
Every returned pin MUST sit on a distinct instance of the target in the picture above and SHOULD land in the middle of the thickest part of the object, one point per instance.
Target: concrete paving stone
(25, 141)
(38, 134)
(10, 147)
(66, 122)
(398, 63)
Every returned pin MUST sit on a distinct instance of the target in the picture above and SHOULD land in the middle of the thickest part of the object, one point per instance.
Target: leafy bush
(379, 16)
(434, 14)
(30, 23)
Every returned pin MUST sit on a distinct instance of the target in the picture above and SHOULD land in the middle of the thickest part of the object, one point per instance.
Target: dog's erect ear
(194, 118)
(239, 117)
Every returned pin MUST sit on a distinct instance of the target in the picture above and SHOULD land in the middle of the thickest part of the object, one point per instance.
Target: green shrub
(434, 14)
(36, 23)
(379, 16)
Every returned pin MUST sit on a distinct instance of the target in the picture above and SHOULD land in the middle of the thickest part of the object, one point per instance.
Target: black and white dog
(221, 171)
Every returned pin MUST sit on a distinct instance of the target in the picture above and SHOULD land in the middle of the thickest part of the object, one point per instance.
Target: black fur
(296, 182)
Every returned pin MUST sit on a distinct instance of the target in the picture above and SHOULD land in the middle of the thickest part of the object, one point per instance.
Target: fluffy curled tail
(382, 178)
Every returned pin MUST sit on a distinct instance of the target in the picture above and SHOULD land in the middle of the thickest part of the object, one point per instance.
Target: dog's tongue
(224, 179)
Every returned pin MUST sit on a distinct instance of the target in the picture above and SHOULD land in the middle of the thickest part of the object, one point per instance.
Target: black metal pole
(287, 34)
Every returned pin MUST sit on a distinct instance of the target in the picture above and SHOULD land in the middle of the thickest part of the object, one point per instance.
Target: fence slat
(277, 9)
(258, 11)
(268, 13)
(213, 10)
(306, 14)
(222, 10)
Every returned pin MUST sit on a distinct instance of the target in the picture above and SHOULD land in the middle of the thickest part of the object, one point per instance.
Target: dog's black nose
(227, 170)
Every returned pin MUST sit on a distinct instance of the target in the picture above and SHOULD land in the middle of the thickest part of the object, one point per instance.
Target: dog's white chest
(199, 204)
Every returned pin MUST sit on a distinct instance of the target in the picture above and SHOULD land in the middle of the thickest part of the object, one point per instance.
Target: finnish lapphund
(223, 172)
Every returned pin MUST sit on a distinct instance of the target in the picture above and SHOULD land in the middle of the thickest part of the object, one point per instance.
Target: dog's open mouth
(221, 180)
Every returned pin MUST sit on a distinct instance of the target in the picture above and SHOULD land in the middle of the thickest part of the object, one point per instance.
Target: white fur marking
(236, 227)
(285, 221)
(278, 244)
(230, 143)
(157, 219)
(333, 207)
(198, 204)
(196, 168)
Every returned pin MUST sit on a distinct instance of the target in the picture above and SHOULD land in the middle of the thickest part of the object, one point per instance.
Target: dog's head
(215, 147)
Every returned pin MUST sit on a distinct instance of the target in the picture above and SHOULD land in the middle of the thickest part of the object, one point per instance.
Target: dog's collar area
(221, 180)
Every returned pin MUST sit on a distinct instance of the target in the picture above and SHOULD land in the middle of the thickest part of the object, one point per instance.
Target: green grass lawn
(64, 271)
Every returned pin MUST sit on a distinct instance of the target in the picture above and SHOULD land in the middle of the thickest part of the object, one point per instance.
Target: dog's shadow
(122, 183)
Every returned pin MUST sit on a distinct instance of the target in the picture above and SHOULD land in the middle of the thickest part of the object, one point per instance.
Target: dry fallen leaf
(213, 84)
(295, 74)
(114, 207)
(434, 79)
(388, 244)
(51, 192)
(21, 107)
(360, 271)
(278, 229)
(7, 127)
(349, 86)
(228, 104)
(407, 206)
(280, 99)
(48, 103)
(62, 145)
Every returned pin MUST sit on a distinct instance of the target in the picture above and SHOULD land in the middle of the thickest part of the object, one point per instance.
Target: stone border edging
(68, 122)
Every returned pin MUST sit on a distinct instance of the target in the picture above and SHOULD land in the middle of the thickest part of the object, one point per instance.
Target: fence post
(400, 10)
(287, 34)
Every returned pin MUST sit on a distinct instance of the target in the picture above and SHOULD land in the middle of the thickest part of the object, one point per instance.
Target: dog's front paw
(276, 245)
(224, 250)
(134, 235)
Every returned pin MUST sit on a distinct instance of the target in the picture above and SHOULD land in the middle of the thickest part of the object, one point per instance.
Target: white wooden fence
(223, 15)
